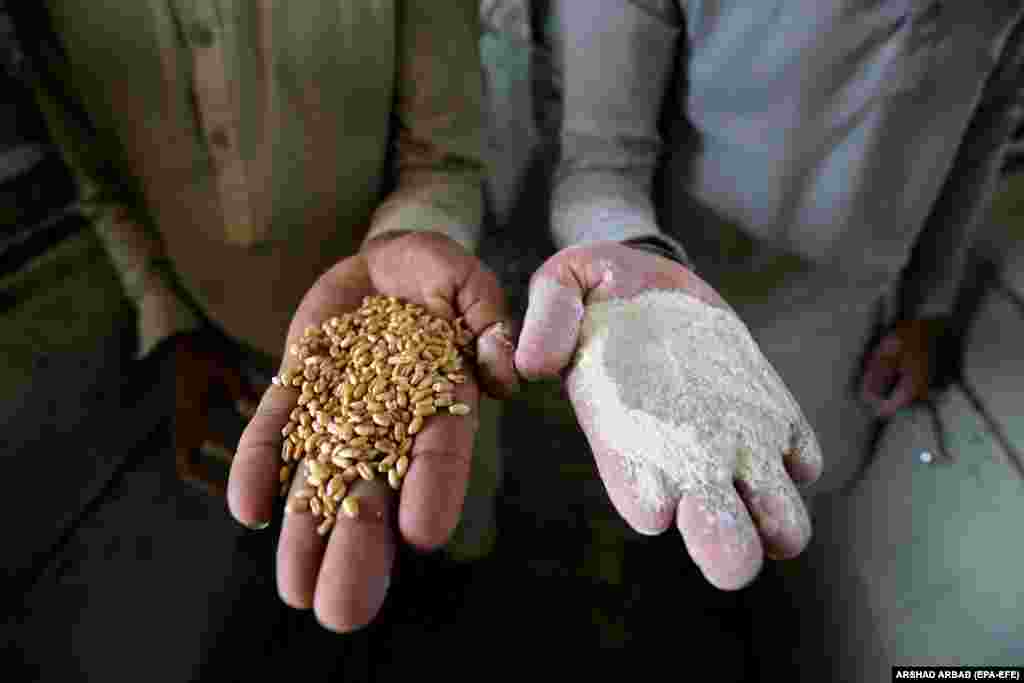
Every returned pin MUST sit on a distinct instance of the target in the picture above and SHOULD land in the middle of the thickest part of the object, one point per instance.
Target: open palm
(344, 576)
(730, 510)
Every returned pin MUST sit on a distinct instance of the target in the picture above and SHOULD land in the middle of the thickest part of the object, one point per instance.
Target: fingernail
(259, 526)
(494, 342)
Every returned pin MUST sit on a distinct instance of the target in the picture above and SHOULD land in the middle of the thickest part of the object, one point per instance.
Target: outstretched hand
(344, 577)
(730, 489)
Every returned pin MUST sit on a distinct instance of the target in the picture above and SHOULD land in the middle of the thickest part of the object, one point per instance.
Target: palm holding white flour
(686, 418)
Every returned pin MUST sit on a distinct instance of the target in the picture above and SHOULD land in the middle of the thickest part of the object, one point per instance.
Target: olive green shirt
(234, 150)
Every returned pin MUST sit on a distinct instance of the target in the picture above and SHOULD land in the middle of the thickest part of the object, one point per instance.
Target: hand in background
(898, 369)
(202, 369)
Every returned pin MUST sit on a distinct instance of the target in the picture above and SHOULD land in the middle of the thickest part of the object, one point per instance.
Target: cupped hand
(725, 475)
(344, 576)
(898, 369)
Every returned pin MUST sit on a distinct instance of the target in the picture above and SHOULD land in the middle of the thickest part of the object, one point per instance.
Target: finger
(901, 397)
(639, 491)
(777, 509)
(803, 460)
(720, 536)
(551, 327)
(495, 353)
(434, 487)
(881, 367)
(356, 570)
(300, 550)
(253, 482)
(880, 373)
(482, 302)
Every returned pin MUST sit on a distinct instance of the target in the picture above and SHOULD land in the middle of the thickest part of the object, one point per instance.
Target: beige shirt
(230, 151)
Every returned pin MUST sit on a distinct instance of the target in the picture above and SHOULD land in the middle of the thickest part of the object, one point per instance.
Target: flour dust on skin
(682, 392)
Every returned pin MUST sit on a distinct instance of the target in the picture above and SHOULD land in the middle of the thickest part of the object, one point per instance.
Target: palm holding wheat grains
(369, 379)
(344, 574)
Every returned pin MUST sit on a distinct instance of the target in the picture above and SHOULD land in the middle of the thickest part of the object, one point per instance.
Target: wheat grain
(367, 380)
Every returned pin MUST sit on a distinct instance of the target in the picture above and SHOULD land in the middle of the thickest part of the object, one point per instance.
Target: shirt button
(219, 138)
(202, 36)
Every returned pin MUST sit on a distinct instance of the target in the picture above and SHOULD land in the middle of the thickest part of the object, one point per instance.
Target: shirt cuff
(423, 218)
(161, 314)
(661, 245)
(604, 206)
(452, 208)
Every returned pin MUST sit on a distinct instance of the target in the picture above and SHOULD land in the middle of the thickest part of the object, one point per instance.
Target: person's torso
(257, 131)
(798, 116)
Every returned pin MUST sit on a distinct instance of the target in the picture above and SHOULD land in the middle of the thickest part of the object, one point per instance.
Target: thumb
(551, 326)
(481, 302)
(590, 273)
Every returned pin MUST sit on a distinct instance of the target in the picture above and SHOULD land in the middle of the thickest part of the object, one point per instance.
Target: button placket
(218, 113)
(201, 35)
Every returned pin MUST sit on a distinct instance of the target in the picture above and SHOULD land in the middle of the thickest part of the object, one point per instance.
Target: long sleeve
(616, 58)
(932, 279)
(112, 210)
(439, 112)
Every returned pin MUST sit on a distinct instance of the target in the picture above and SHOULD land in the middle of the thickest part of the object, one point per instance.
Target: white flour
(681, 387)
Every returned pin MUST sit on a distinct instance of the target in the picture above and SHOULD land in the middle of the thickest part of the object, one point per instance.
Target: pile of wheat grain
(368, 379)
